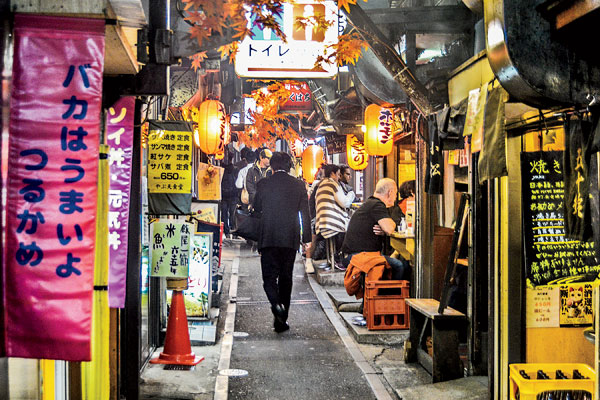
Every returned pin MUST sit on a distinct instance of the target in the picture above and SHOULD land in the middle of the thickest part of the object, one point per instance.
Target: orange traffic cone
(178, 349)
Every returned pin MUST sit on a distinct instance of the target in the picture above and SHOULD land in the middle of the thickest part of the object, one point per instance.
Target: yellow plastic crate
(530, 388)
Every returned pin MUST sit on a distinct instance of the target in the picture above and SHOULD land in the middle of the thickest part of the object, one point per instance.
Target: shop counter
(404, 244)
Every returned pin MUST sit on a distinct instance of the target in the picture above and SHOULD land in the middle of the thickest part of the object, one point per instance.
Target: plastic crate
(386, 311)
(529, 389)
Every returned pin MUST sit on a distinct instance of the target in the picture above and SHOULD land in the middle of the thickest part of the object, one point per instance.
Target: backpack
(228, 189)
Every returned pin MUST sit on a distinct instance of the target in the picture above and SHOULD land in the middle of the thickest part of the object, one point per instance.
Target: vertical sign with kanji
(52, 186)
(169, 159)
(119, 136)
(197, 295)
(170, 248)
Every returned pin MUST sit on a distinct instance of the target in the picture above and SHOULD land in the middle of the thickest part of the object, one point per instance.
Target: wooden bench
(425, 320)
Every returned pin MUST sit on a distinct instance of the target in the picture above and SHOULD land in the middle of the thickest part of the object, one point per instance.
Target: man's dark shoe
(279, 327)
(279, 313)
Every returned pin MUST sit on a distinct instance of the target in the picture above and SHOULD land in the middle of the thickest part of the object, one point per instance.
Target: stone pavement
(378, 354)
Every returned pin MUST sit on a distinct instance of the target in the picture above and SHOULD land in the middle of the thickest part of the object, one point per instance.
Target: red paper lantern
(379, 139)
(312, 159)
(212, 127)
(357, 156)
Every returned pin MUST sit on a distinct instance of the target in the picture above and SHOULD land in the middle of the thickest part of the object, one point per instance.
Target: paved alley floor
(316, 359)
(309, 361)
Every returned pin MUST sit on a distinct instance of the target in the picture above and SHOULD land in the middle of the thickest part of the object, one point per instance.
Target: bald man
(370, 222)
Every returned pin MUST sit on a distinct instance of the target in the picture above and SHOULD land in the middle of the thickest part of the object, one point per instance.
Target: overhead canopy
(375, 82)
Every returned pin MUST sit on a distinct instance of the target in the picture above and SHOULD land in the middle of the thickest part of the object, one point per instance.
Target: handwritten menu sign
(549, 256)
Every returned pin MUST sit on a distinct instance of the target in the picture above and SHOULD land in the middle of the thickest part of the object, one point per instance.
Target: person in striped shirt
(331, 204)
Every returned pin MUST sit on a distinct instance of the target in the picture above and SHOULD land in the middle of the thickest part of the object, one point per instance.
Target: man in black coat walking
(282, 203)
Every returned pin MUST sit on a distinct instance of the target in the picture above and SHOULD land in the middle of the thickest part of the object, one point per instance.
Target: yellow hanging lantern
(312, 158)
(220, 155)
(297, 147)
(378, 137)
(212, 122)
(357, 156)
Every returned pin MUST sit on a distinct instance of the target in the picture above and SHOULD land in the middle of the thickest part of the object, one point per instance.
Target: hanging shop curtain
(492, 160)
(434, 178)
(451, 124)
(576, 163)
(52, 193)
(169, 168)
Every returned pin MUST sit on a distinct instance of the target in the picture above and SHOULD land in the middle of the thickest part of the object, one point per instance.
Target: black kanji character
(36, 152)
(25, 254)
(64, 240)
(82, 72)
(73, 103)
(34, 218)
(32, 186)
(69, 200)
(65, 270)
(170, 230)
(77, 167)
(282, 54)
(267, 49)
(73, 144)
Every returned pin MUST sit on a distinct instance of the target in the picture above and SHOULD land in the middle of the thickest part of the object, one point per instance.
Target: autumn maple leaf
(197, 59)
(195, 17)
(346, 4)
(196, 4)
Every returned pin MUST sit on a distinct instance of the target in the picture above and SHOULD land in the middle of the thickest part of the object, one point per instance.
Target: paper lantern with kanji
(357, 156)
(297, 147)
(379, 140)
(312, 158)
(212, 126)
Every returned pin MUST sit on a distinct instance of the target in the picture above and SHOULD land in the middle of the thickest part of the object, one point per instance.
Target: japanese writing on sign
(169, 161)
(542, 307)
(170, 248)
(576, 304)
(52, 186)
(198, 292)
(266, 55)
(549, 256)
(119, 136)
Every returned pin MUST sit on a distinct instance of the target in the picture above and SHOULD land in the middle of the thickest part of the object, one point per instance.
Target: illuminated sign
(267, 56)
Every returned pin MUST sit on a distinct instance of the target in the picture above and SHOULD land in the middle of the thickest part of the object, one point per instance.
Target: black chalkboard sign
(550, 258)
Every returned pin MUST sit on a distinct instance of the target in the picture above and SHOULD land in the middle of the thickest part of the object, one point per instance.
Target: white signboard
(542, 307)
(267, 56)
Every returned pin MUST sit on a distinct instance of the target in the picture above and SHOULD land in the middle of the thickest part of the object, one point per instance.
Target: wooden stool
(444, 363)
(330, 252)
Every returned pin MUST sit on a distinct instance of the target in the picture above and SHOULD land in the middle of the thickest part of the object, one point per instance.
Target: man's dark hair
(330, 169)
(343, 168)
(281, 161)
(250, 155)
(407, 189)
(244, 153)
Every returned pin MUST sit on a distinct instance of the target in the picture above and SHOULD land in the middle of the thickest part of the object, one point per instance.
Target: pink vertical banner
(119, 136)
(52, 176)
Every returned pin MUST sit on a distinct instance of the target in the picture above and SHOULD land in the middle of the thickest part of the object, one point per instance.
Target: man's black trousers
(277, 267)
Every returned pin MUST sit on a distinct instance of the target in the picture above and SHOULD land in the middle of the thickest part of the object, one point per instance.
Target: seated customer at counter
(368, 225)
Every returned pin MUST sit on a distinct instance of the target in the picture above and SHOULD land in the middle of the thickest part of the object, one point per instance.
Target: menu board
(549, 257)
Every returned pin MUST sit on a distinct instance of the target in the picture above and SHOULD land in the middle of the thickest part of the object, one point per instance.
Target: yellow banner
(169, 161)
